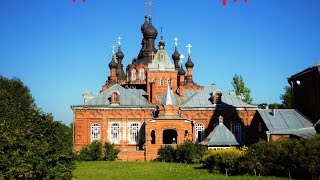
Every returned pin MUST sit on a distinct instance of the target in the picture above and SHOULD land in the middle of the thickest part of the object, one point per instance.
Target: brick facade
(113, 121)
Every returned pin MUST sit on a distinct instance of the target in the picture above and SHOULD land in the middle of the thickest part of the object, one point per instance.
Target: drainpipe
(291, 89)
(146, 140)
(268, 135)
(316, 123)
(73, 135)
(192, 124)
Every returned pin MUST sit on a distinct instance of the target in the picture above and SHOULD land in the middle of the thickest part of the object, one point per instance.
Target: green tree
(276, 106)
(286, 98)
(32, 144)
(240, 88)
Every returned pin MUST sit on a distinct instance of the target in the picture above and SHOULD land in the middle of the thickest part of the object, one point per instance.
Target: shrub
(166, 154)
(223, 160)
(188, 152)
(109, 152)
(91, 152)
(96, 152)
(286, 157)
(312, 158)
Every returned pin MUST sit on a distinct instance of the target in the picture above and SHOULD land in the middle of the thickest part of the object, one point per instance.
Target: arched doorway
(169, 136)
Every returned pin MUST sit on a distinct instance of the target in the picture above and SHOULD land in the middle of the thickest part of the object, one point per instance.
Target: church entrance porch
(169, 136)
(161, 132)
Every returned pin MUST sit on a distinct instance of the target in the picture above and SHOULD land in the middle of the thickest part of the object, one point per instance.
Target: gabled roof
(201, 98)
(220, 136)
(287, 121)
(161, 62)
(169, 98)
(315, 66)
(128, 98)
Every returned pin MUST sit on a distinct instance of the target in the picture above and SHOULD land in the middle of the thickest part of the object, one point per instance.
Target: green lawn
(145, 170)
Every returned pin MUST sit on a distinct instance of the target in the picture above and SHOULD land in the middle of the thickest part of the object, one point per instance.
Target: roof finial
(148, 6)
(220, 119)
(119, 40)
(176, 41)
(189, 49)
(113, 46)
(168, 98)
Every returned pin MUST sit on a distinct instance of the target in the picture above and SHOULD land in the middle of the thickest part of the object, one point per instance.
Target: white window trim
(131, 141)
(199, 127)
(142, 75)
(169, 82)
(95, 133)
(162, 57)
(118, 140)
(161, 82)
(133, 74)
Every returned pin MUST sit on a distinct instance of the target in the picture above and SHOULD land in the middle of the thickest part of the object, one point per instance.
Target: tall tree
(240, 89)
(32, 144)
(286, 98)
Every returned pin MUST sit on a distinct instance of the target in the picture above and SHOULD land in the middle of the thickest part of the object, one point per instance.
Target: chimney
(220, 119)
(273, 112)
(87, 96)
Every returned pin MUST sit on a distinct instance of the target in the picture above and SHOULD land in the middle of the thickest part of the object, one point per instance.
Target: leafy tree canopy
(286, 98)
(32, 144)
(240, 89)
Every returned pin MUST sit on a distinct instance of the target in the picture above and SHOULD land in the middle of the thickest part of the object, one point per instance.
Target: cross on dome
(113, 46)
(152, 55)
(148, 6)
(189, 48)
(176, 41)
(119, 40)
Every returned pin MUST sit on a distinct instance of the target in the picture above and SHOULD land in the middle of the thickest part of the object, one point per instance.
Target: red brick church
(155, 102)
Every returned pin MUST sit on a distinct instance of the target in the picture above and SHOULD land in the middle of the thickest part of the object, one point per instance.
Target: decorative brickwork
(155, 99)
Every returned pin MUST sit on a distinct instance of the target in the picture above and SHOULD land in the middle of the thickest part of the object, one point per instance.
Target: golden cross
(152, 55)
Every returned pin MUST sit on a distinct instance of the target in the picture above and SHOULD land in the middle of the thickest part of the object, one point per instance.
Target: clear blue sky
(59, 48)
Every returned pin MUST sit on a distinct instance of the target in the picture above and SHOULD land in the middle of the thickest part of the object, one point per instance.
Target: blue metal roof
(128, 97)
(220, 136)
(201, 98)
(169, 98)
(287, 121)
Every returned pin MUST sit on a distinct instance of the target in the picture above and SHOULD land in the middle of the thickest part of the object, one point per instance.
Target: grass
(146, 170)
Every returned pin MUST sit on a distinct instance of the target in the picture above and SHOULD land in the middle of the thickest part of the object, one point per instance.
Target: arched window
(161, 82)
(115, 133)
(115, 98)
(95, 132)
(169, 82)
(128, 78)
(154, 79)
(142, 75)
(153, 137)
(162, 57)
(199, 132)
(133, 74)
(134, 133)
